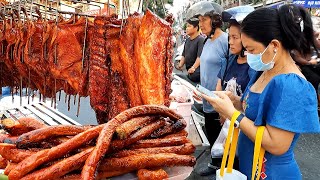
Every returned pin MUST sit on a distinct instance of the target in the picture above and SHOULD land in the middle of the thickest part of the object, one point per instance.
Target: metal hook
(84, 42)
(122, 17)
(140, 6)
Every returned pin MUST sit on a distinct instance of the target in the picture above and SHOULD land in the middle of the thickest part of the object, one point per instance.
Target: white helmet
(236, 13)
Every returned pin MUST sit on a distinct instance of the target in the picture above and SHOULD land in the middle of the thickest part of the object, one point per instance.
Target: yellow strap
(258, 153)
(233, 149)
(262, 151)
(227, 144)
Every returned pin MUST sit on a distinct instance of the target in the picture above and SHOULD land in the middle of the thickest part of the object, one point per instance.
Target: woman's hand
(222, 119)
(313, 62)
(197, 96)
(233, 98)
(222, 104)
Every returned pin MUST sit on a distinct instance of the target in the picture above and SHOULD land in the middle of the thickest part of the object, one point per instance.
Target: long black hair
(289, 24)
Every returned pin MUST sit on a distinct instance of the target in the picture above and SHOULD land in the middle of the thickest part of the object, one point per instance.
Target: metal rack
(42, 112)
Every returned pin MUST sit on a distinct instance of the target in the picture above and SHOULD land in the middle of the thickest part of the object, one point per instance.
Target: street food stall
(121, 66)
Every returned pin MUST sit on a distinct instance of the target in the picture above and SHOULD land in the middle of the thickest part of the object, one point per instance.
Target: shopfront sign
(307, 3)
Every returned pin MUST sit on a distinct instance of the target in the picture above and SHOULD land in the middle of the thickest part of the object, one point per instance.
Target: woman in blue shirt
(214, 53)
(278, 97)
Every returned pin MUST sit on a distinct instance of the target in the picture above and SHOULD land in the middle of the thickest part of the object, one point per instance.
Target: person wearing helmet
(192, 50)
(214, 54)
(237, 72)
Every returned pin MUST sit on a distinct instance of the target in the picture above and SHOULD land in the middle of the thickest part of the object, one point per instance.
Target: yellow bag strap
(227, 144)
(233, 150)
(258, 154)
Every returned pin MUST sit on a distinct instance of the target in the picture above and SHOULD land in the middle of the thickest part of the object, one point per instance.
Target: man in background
(192, 50)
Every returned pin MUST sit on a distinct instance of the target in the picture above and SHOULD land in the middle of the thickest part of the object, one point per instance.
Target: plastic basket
(184, 109)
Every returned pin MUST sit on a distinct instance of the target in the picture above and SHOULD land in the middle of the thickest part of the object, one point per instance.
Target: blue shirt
(237, 75)
(288, 102)
(213, 54)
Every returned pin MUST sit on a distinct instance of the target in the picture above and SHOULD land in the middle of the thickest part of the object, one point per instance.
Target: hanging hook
(84, 42)
(140, 6)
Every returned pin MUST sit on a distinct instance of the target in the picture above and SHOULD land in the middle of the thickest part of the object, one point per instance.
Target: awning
(307, 3)
(276, 5)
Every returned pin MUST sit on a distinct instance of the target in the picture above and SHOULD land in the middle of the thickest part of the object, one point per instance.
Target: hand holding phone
(205, 91)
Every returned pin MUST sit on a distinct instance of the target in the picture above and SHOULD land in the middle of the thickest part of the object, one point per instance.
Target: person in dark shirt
(309, 64)
(192, 50)
(237, 74)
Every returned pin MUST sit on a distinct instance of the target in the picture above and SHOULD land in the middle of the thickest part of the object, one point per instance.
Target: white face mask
(256, 63)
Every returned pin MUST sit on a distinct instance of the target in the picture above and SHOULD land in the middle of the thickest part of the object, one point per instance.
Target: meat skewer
(145, 174)
(31, 123)
(142, 161)
(10, 152)
(161, 142)
(3, 162)
(10, 166)
(180, 133)
(125, 129)
(184, 149)
(104, 139)
(170, 128)
(48, 132)
(140, 134)
(61, 168)
(44, 156)
(100, 175)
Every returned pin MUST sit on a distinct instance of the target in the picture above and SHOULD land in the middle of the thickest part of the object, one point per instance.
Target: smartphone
(205, 91)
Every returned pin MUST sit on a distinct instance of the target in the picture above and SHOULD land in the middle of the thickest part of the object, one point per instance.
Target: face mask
(256, 63)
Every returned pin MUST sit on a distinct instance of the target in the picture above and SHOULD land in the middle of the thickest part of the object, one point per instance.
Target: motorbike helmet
(236, 15)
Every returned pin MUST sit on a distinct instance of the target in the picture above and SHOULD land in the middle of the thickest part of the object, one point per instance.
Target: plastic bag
(234, 175)
(232, 86)
(179, 93)
(218, 146)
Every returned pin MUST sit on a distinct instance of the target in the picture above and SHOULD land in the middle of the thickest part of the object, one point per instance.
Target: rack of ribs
(151, 59)
(126, 45)
(118, 63)
(99, 71)
(118, 91)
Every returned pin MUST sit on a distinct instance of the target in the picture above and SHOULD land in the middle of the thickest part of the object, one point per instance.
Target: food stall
(120, 68)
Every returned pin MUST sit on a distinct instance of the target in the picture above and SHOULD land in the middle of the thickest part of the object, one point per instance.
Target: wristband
(238, 120)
